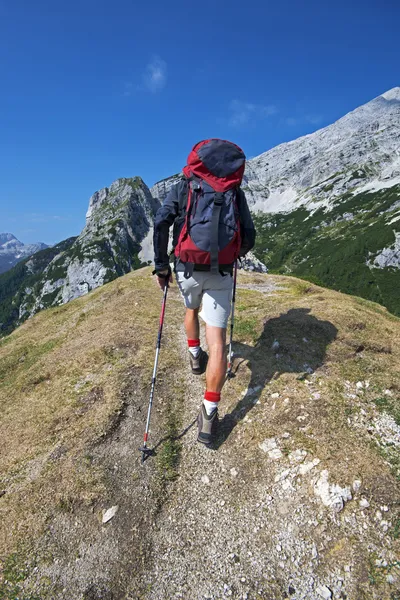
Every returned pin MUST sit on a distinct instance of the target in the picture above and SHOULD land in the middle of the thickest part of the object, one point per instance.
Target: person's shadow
(294, 342)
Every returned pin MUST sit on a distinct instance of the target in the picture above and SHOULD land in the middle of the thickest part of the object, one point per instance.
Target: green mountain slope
(299, 497)
(24, 280)
(118, 220)
(337, 247)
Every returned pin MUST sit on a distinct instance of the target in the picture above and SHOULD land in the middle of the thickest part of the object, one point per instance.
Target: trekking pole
(229, 373)
(144, 450)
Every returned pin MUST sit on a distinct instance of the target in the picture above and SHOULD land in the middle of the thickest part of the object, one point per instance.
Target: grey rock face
(7, 238)
(161, 188)
(251, 263)
(361, 151)
(388, 257)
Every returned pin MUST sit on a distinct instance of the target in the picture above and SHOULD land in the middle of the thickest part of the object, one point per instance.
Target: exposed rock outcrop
(360, 152)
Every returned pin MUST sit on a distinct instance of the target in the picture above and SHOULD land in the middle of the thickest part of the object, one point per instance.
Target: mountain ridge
(117, 220)
(344, 179)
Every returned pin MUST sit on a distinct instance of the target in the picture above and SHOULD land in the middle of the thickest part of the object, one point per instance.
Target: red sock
(212, 396)
(194, 347)
(211, 400)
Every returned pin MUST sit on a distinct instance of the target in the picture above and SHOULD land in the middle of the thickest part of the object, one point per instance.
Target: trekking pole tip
(146, 452)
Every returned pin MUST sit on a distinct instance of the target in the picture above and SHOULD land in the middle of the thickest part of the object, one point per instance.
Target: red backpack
(211, 231)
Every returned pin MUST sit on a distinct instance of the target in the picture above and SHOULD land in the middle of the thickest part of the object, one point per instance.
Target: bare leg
(192, 326)
(217, 363)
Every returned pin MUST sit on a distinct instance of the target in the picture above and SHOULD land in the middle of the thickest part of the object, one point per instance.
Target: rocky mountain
(359, 153)
(327, 205)
(12, 250)
(161, 188)
(297, 498)
(117, 221)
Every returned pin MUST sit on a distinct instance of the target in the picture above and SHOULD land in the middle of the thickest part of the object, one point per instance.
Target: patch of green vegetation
(391, 454)
(389, 405)
(15, 572)
(169, 454)
(56, 272)
(396, 529)
(328, 250)
(48, 299)
(377, 574)
(358, 174)
(246, 328)
(135, 182)
(168, 458)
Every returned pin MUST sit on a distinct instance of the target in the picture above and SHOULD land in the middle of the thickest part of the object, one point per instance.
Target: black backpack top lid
(219, 162)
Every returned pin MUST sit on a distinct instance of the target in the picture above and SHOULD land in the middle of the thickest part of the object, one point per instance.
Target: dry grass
(338, 337)
(63, 372)
(60, 380)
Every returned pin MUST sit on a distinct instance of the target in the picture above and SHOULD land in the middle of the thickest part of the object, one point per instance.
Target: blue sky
(93, 90)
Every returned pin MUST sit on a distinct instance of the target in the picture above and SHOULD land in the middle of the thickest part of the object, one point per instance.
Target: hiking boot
(198, 364)
(207, 425)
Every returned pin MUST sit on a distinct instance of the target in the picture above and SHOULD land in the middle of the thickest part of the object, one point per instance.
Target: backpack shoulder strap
(218, 202)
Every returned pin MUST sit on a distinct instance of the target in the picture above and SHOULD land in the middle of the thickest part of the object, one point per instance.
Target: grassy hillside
(316, 370)
(332, 248)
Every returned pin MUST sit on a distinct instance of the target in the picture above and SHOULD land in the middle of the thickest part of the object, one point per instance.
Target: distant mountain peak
(12, 250)
(393, 94)
(7, 237)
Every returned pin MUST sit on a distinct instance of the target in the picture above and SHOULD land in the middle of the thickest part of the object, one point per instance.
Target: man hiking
(212, 228)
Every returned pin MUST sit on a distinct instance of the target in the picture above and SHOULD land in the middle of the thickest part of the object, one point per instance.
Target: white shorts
(215, 290)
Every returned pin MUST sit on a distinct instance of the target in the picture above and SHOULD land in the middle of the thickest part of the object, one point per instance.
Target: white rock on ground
(110, 513)
(333, 495)
(324, 592)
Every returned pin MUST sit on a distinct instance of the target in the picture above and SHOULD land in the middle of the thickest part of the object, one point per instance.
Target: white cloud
(154, 79)
(245, 113)
(155, 75)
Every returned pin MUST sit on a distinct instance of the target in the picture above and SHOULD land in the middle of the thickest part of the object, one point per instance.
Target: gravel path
(228, 529)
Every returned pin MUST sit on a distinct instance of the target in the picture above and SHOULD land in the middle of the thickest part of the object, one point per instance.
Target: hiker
(212, 228)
